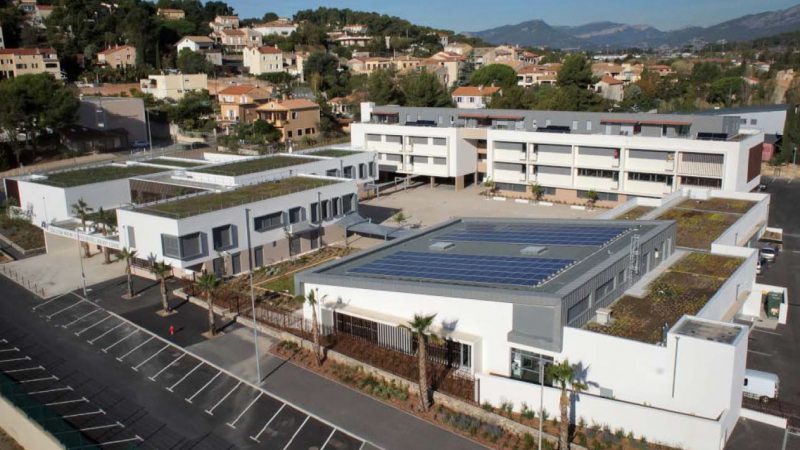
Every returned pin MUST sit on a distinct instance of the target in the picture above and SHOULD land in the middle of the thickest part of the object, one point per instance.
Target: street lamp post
(83, 272)
(541, 402)
(149, 134)
(252, 293)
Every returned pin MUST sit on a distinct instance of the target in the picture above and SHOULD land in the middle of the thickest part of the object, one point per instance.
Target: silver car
(768, 253)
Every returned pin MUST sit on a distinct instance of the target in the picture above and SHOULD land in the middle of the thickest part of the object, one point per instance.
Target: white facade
(260, 60)
(173, 87)
(275, 28)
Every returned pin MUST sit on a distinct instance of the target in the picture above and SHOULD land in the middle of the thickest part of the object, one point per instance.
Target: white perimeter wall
(50, 203)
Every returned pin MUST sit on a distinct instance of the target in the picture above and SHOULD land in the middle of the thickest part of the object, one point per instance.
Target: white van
(762, 386)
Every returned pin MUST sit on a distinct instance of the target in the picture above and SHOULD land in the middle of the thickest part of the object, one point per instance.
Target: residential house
(355, 29)
(173, 86)
(610, 88)
(42, 13)
(546, 74)
(368, 65)
(171, 13)
(201, 44)
(474, 97)
(295, 118)
(603, 69)
(353, 41)
(258, 60)
(458, 48)
(238, 104)
(236, 39)
(661, 69)
(450, 62)
(2, 41)
(280, 27)
(224, 23)
(21, 61)
(118, 57)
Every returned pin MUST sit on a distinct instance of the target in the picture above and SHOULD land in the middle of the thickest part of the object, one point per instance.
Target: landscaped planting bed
(21, 232)
(698, 229)
(91, 175)
(280, 277)
(719, 205)
(256, 165)
(635, 213)
(684, 289)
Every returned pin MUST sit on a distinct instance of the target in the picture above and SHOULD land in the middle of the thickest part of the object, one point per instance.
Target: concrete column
(460, 182)
(475, 178)
(433, 182)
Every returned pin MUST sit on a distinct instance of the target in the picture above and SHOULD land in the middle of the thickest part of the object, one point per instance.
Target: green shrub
(487, 406)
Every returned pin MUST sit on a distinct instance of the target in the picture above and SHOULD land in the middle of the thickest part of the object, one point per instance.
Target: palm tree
(162, 271)
(83, 211)
(207, 284)
(104, 220)
(565, 375)
(420, 326)
(128, 255)
(400, 218)
(311, 299)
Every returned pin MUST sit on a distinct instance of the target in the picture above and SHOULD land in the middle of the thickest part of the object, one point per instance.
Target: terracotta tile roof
(611, 81)
(266, 50)
(118, 48)
(237, 90)
(287, 105)
(203, 39)
(26, 51)
(475, 91)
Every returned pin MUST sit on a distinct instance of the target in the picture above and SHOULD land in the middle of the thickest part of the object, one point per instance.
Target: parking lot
(254, 417)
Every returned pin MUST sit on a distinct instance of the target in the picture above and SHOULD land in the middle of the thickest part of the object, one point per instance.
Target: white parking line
(765, 331)
(105, 350)
(120, 358)
(67, 402)
(327, 440)
(153, 378)
(100, 427)
(204, 387)
(15, 349)
(24, 370)
(50, 378)
(47, 302)
(4, 341)
(64, 309)
(67, 325)
(255, 438)
(91, 413)
(296, 432)
(759, 353)
(211, 411)
(25, 358)
(184, 377)
(233, 424)
(120, 441)
(93, 325)
(48, 391)
(149, 358)
(92, 341)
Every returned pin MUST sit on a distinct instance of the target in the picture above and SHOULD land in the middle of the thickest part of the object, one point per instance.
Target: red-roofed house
(21, 61)
(117, 57)
(295, 118)
(610, 88)
(474, 97)
(239, 103)
(258, 60)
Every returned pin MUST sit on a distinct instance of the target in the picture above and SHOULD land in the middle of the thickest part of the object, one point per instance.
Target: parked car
(768, 253)
(762, 386)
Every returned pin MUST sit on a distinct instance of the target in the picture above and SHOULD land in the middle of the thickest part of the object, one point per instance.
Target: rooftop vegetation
(204, 203)
(334, 153)
(21, 232)
(175, 163)
(92, 175)
(701, 222)
(684, 289)
(256, 165)
(635, 213)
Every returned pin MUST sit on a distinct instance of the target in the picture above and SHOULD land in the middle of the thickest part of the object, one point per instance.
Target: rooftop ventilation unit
(604, 316)
(440, 246)
(533, 250)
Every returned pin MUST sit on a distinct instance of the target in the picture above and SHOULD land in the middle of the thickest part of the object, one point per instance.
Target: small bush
(528, 442)
(289, 346)
(526, 412)
(487, 406)
(506, 408)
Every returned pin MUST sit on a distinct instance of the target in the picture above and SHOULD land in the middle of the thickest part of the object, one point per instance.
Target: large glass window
(184, 247)
(525, 366)
(604, 289)
(314, 208)
(170, 246)
(224, 237)
(268, 222)
(347, 203)
(296, 215)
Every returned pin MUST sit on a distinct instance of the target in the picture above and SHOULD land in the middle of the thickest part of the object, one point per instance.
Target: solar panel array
(508, 270)
(555, 234)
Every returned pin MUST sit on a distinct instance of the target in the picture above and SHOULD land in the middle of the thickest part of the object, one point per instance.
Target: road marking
(25, 358)
(184, 377)
(70, 416)
(120, 358)
(121, 441)
(760, 353)
(4, 341)
(67, 402)
(151, 357)
(66, 325)
(233, 424)
(100, 427)
(153, 378)
(296, 433)
(48, 391)
(255, 438)
(765, 331)
(211, 411)
(64, 309)
(92, 341)
(15, 349)
(50, 378)
(23, 370)
(204, 387)
(47, 302)
(105, 350)
(93, 325)
(327, 440)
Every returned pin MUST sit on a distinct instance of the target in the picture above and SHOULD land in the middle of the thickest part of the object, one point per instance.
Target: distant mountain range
(599, 35)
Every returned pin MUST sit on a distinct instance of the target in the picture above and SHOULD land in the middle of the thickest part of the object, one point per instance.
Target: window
(753, 121)
(575, 125)
(299, 132)
(131, 237)
(601, 196)
(371, 169)
(314, 208)
(416, 140)
(335, 207)
(419, 159)
(440, 141)
(373, 137)
(289, 134)
(588, 125)
(576, 311)
(268, 222)
(325, 210)
(308, 130)
(224, 237)
(526, 366)
(362, 171)
(191, 246)
(347, 203)
(548, 190)
(621, 277)
(650, 177)
(332, 173)
(510, 167)
(466, 355)
(170, 246)
(510, 187)
(294, 114)
(393, 158)
(597, 173)
(604, 290)
(439, 161)
(349, 171)
(296, 215)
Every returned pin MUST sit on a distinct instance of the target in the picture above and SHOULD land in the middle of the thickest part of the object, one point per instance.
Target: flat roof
(710, 331)
(471, 256)
(255, 165)
(90, 175)
(208, 202)
(333, 152)
(176, 162)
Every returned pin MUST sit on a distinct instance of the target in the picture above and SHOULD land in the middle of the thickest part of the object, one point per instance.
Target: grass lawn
(281, 284)
(256, 165)
(684, 289)
(174, 163)
(91, 175)
(635, 213)
(21, 232)
(200, 204)
(334, 153)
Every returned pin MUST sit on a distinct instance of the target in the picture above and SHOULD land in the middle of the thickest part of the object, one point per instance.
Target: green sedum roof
(256, 165)
(92, 175)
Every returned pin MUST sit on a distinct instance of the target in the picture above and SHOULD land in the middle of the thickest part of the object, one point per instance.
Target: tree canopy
(494, 74)
(424, 89)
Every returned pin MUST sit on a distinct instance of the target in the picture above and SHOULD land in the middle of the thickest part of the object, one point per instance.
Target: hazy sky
(474, 15)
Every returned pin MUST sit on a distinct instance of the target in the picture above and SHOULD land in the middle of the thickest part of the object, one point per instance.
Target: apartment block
(21, 61)
(173, 86)
(566, 153)
(118, 57)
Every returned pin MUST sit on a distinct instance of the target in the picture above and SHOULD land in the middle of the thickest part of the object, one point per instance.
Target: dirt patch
(635, 213)
(21, 232)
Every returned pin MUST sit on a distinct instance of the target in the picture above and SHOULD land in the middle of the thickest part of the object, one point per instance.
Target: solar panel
(478, 269)
(535, 234)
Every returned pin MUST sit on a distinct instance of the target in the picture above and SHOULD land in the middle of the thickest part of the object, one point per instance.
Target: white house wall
(51, 203)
